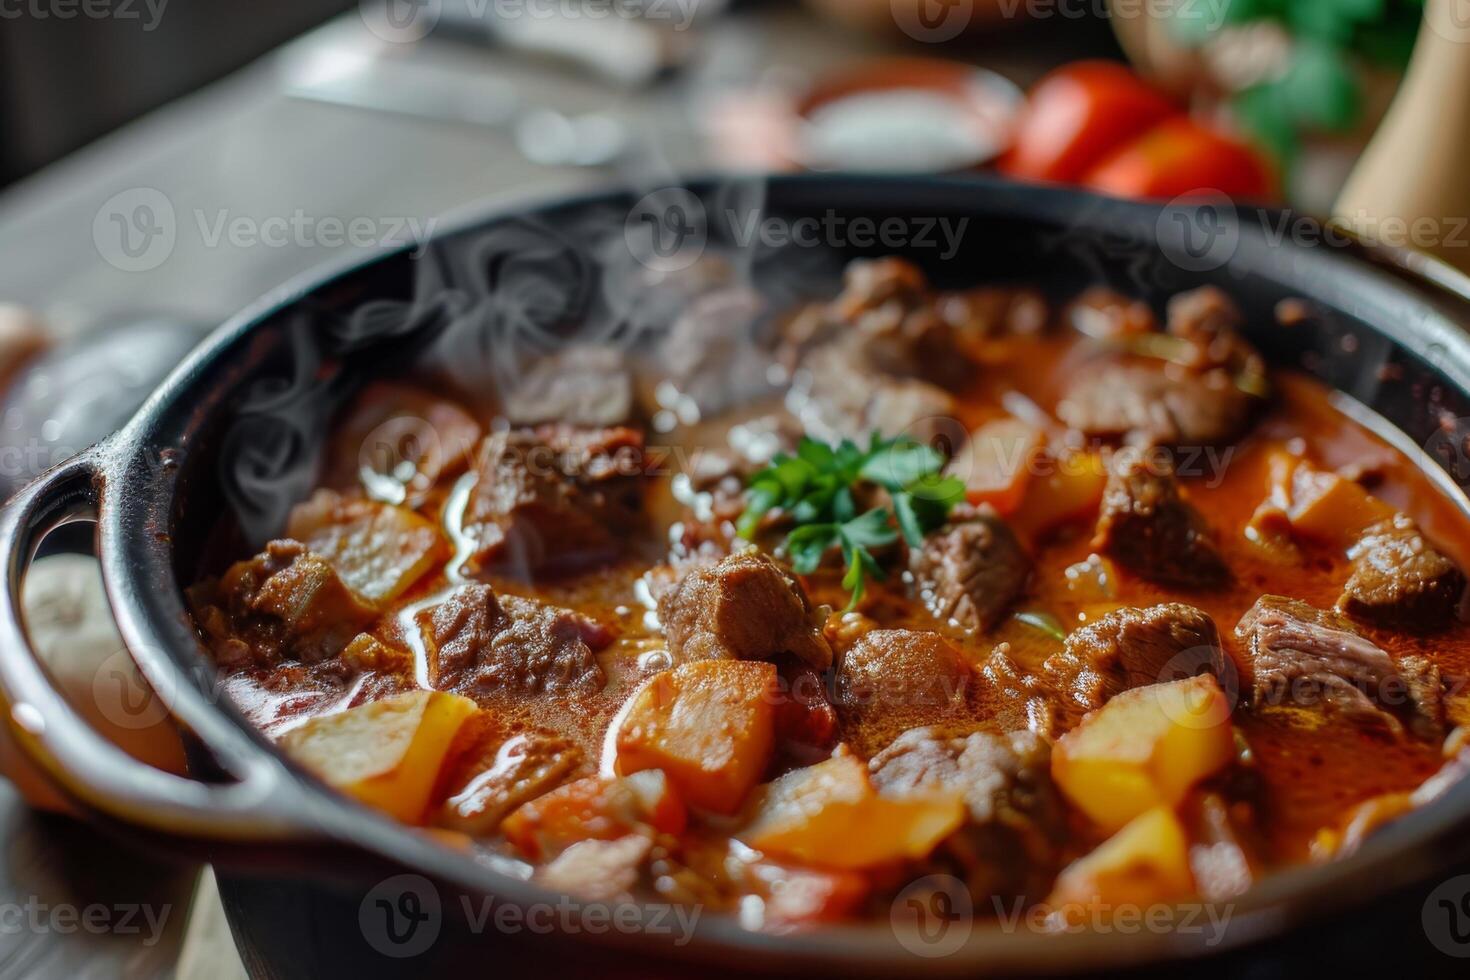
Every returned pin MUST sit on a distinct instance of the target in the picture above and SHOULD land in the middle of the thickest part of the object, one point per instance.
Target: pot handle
(58, 741)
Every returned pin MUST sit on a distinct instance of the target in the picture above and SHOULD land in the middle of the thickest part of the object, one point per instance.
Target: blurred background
(165, 162)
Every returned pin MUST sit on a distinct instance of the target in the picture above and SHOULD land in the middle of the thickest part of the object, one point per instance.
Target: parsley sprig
(814, 487)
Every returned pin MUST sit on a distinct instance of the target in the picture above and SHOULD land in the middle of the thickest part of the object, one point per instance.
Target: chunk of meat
(871, 284)
(712, 354)
(994, 311)
(1400, 580)
(398, 441)
(379, 550)
(743, 607)
(1104, 314)
(1152, 404)
(1018, 697)
(585, 384)
(555, 498)
(284, 604)
(598, 870)
(499, 774)
(480, 643)
(840, 395)
(900, 677)
(1313, 658)
(969, 573)
(1209, 321)
(1149, 529)
(1203, 394)
(1135, 647)
(1011, 845)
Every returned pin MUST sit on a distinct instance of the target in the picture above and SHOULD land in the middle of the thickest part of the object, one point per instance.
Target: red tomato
(1180, 157)
(1078, 114)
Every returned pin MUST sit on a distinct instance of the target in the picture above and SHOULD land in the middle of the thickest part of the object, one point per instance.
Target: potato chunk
(386, 754)
(710, 725)
(1145, 863)
(378, 550)
(1145, 748)
(830, 815)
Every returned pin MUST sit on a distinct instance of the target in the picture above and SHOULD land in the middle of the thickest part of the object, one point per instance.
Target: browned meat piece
(1149, 529)
(1015, 698)
(284, 604)
(712, 353)
(893, 677)
(1204, 395)
(555, 498)
(744, 607)
(1210, 322)
(1400, 580)
(1147, 404)
(1312, 658)
(995, 311)
(587, 385)
(391, 429)
(1108, 315)
(598, 870)
(871, 284)
(1012, 843)
(1136, 647)
(478, 643)
(969, 573)
(838, 396)
(499, 774)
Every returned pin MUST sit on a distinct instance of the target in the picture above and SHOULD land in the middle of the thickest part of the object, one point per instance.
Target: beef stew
(1139, 607)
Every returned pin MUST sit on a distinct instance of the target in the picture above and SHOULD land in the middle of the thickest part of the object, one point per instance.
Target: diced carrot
(1318, 504)
(996, 464)
(1071, 491)
(829, 815)
(709, 724)
(594, 808)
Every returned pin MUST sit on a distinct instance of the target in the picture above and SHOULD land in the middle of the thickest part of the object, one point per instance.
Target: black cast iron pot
(315, 885)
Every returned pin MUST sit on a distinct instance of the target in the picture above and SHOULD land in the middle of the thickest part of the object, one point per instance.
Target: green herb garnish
(1045, 622)
(814, 487)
